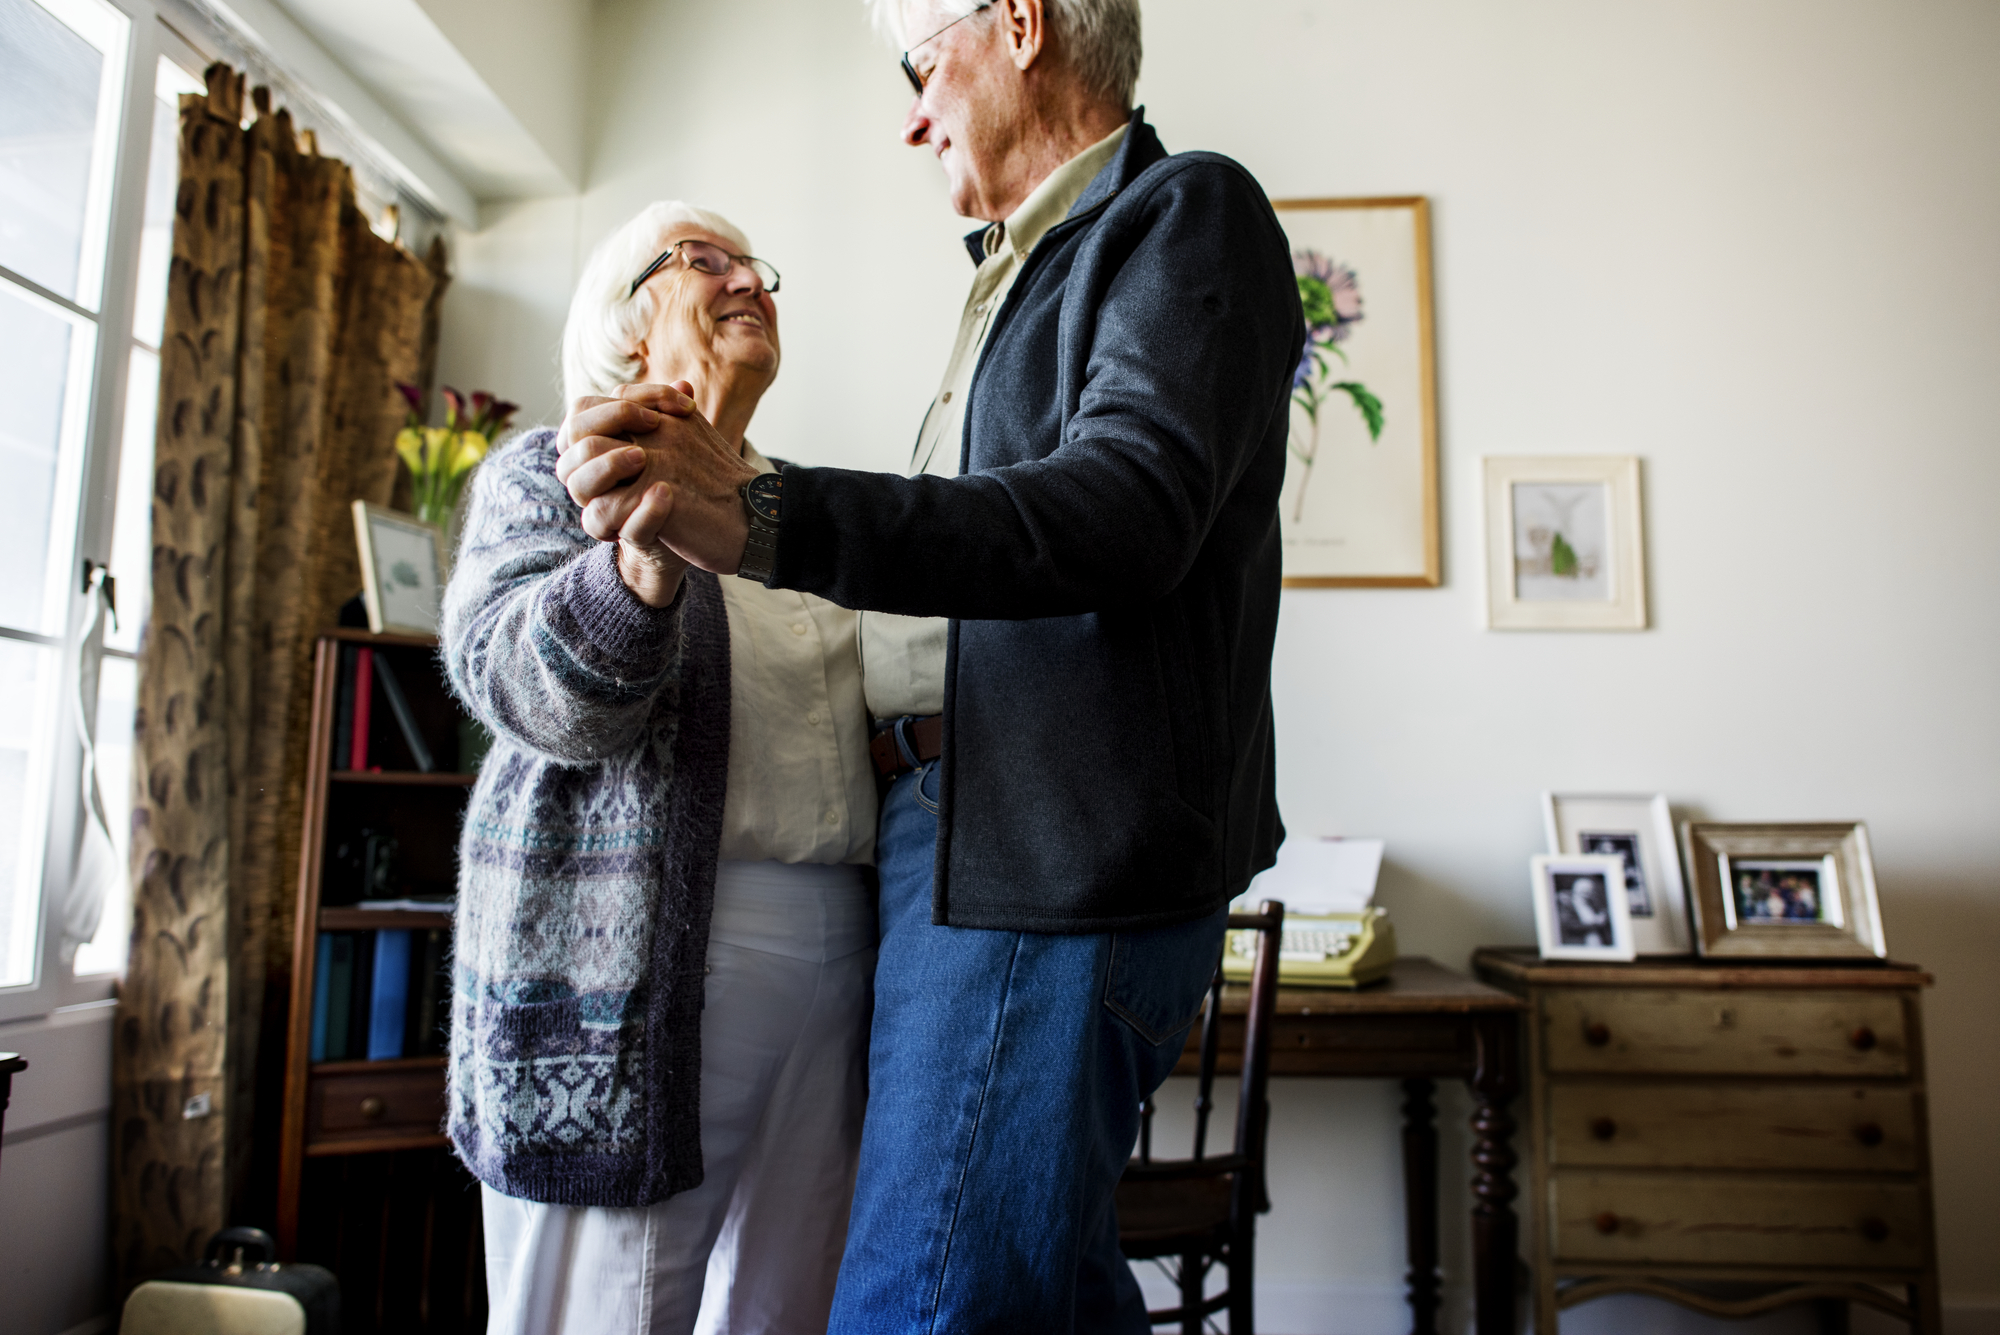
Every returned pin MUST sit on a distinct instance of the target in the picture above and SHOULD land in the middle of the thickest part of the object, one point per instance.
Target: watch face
(764, 494)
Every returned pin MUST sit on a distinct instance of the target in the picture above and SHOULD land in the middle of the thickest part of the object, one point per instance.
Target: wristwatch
(763, 497)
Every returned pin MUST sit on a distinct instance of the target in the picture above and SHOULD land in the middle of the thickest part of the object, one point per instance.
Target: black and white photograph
(1623, 844)
(1581, 907)
(1637, 829)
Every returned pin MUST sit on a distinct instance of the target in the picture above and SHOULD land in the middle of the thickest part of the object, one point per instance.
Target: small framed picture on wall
(1581, 912)
(1639, 830)
(1563, 545)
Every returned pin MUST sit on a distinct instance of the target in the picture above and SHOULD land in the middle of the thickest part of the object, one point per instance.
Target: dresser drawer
(1712, 1032)
(357, 1106)
(1814, 1126)
(1716, 1219)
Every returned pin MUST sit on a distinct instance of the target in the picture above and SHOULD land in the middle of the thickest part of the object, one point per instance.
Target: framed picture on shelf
(1581, 912)
(1564, 549)
(1802, 891)
(1638, 830)
(402, 579)
(1360, 500)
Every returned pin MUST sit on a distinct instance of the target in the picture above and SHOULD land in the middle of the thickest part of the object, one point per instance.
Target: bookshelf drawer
(359, 1108)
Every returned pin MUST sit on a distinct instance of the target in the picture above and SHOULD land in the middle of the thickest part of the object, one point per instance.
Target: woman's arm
(542, 639)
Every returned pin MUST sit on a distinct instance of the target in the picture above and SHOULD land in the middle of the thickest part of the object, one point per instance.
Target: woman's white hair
(1099, 37)
(607, 322)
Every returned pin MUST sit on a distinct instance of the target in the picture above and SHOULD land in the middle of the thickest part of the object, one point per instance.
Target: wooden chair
(1204, 1209)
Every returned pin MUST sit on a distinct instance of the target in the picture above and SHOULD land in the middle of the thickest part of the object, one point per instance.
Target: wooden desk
(1422, 1023)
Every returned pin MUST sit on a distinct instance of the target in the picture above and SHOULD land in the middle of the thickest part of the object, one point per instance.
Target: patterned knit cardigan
(587, 862)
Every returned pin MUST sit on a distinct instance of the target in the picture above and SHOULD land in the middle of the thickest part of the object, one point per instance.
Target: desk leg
(1420, 1202)
(1495, 1236)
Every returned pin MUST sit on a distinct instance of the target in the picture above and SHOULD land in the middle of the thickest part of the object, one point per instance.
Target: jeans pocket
(1157, 978)
(927, 781)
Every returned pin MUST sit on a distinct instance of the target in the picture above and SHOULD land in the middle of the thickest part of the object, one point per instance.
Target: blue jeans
(1006, 1071)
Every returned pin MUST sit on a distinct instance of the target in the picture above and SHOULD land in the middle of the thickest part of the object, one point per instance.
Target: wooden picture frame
(1359, 508)
(402, 570)
(1639, 828)
(1540, 578)
(1798, 891)
(1579, 900)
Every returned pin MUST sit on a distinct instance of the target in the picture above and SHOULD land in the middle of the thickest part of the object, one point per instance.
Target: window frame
(91, 522)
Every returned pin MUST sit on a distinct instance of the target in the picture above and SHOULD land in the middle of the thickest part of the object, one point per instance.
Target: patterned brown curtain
(289, 322)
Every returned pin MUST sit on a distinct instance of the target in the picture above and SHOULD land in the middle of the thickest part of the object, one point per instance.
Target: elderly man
(1081, 755)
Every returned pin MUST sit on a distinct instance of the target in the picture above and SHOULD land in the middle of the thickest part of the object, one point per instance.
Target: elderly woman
(665, 939)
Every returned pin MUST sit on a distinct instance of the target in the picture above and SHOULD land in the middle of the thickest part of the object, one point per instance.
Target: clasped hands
(653, 475)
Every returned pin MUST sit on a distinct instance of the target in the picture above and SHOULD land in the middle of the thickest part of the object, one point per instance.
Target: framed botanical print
(1563, 546)
(1360, 500)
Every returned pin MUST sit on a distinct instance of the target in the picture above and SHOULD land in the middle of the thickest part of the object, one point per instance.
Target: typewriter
(1333, 935)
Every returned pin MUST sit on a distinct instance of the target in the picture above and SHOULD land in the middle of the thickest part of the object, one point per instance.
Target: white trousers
(755, 1248)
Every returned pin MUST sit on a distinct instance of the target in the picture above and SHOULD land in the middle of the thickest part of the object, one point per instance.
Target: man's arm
(1196, 331)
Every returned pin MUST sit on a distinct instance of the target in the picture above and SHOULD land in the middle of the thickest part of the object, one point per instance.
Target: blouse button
(798, 628)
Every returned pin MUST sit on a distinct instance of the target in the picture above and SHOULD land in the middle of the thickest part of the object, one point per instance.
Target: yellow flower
(437, 447)
(410, 444)
(471, 449)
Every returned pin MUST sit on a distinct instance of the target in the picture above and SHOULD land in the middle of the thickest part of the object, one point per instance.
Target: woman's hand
(647, 565)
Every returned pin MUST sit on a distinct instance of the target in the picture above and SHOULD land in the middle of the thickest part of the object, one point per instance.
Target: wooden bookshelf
(362, 1154)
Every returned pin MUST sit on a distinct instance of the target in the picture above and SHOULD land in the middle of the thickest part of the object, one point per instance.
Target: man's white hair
(607, 322)
(1099, 37)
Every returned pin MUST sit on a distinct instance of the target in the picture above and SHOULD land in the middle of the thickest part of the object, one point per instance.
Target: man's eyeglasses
(910, 71)
(711, 260)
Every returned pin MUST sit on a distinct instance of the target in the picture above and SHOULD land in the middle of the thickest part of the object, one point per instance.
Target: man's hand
(650, 449)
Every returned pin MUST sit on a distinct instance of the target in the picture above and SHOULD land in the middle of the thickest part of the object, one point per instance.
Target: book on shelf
(343, 710)
(389, 997)
(406, 722)
(381, 995)
(412, 905)
(364, 691)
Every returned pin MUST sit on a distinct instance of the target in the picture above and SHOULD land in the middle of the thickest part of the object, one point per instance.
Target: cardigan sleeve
(542, 640)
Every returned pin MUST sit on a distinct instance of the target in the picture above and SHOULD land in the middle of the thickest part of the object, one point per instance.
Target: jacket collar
(1140, 150)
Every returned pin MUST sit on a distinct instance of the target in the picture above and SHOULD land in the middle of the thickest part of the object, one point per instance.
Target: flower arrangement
(1330, 295)
(440, 458)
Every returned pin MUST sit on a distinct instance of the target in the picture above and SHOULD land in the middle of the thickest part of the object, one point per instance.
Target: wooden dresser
(1696, 1124)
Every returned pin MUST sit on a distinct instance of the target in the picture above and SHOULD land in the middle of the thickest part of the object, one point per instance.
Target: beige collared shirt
(903, 657)
(801, 786)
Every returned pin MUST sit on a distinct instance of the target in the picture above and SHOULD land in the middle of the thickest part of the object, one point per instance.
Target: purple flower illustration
(1330, 298)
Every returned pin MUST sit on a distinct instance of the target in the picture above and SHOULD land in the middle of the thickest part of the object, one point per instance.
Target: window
(87, 177)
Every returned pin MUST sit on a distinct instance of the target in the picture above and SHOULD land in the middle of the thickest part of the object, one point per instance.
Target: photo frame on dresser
(1639, 829)
(1794, 891)
(1581, 912)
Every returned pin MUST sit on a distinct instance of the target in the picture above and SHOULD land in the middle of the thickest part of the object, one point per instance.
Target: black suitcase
(239, 1289)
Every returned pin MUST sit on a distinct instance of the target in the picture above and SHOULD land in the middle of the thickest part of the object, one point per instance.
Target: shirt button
(832, 818)
(980, 309)
(813, 718)
(947, 396)
(798, 628)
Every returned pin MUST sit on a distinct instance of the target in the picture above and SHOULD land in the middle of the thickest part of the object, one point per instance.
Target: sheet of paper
(1320, 876)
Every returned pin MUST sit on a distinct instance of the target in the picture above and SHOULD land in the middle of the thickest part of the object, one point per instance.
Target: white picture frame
(1580, 907)
(1640, 828)
(1539, 577)
(402, 570)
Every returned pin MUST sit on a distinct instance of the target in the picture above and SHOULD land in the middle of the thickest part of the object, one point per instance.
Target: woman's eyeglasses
(711, 260)
(910, 71)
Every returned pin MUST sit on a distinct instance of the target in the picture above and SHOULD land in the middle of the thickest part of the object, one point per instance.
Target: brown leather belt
(923, 737)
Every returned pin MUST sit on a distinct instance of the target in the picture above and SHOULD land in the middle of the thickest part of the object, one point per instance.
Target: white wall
(1755, 243)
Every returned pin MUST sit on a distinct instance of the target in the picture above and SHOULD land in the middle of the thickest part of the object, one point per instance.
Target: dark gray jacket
(1109, 558)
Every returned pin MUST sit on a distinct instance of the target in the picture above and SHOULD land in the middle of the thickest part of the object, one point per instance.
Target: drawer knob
(372, 1107)
(1863, 1039)
(1606, 1223)
(1603, 1128)
(1596, 1034)
(1874, 1230)
(1869, 1134)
